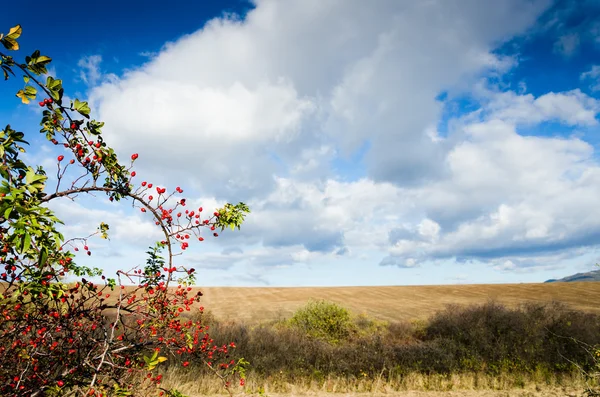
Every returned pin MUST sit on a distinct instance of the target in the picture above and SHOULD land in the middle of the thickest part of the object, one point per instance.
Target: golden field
(250, 305)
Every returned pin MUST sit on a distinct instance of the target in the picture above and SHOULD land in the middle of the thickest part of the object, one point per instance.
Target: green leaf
(36, 63)
(55, 88)
(82, 107)
(43, 255)
(31, 91)
(26, 79)
(26, 242)
(53, 84)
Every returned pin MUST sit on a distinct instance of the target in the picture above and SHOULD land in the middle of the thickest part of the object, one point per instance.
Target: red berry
(72, 161)
(61, 157)
(49, 100)
(60, 383)
(73, 126)
(133, 174)
(134, 156)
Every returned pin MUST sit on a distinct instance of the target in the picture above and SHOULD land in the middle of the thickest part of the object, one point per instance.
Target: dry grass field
(413, 385)
(390, 303)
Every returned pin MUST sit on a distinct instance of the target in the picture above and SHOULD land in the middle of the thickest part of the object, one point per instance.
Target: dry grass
(391, 304)
(474, 385)
(250, 305)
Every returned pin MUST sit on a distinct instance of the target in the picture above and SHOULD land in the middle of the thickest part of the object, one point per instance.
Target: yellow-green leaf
(21, 94)
(15, 32)
(10, 40)
(43, 59)
(10, 44)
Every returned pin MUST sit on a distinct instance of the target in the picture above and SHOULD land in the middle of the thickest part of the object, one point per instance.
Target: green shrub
(323, 320)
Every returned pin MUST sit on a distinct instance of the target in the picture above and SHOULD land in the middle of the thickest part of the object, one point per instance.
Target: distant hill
(589, 276)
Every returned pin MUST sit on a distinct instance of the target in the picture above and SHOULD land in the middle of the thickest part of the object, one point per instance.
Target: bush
(494, 337)
(323, 320)
(489, 338)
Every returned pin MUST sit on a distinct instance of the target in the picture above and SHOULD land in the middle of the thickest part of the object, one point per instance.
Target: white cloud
(90, 69)
(242, 101)
(261, 110)
(567, 44)
(593, 76)
(508, 194)
(572, 108)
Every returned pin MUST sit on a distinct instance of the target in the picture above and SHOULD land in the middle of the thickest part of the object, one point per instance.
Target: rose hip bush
(80, 337)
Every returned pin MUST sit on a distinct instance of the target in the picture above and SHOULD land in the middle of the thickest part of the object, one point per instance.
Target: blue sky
(388, 143)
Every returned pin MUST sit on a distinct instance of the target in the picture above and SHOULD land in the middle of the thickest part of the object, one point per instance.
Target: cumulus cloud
(528, 192)
(572, 108)
(266, 109)
(242, 101)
